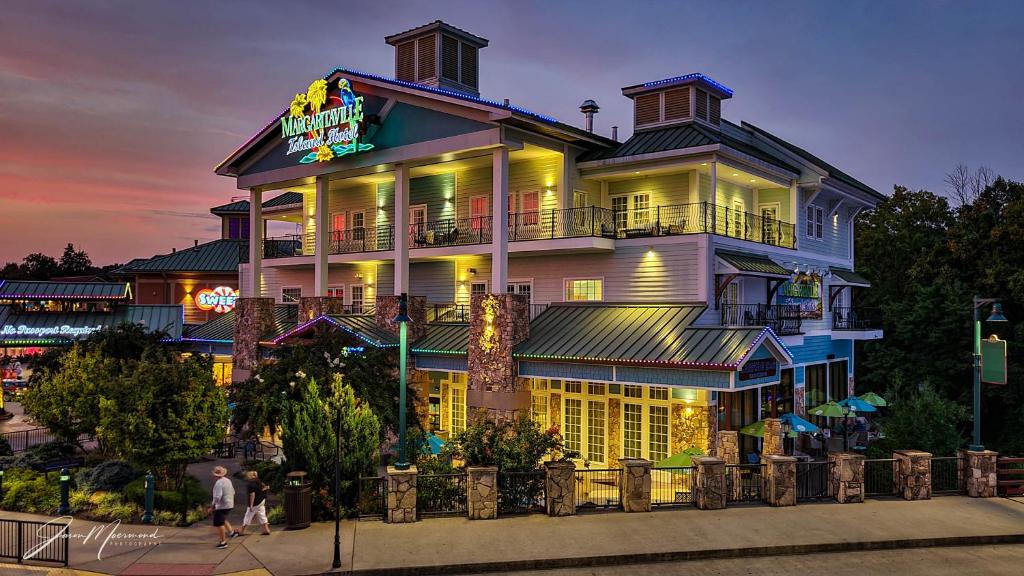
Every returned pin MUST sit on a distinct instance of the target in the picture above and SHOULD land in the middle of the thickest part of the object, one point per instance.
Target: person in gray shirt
(223, 502)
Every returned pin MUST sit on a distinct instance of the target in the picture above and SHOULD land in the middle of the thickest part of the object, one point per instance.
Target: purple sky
(113, 114)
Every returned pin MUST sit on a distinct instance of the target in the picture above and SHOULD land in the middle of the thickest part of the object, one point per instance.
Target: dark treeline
(39, 266)
(926, 259)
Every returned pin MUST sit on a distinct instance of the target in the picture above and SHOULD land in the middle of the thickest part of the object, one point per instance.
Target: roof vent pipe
(589, 108)
(615, 133)
(506, 102)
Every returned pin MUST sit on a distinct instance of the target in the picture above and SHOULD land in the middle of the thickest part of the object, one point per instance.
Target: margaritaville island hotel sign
(324, 122)
(48, 331)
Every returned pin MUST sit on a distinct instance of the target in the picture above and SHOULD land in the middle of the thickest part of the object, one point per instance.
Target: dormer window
(438, 55)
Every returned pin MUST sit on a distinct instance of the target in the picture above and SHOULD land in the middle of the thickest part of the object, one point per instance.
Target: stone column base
(709, 486)
(779, 480)
(635, 491)
(913, 474)
(981, 477)
(482, 492)
(401, 495)
(560, 488)
(846, 477)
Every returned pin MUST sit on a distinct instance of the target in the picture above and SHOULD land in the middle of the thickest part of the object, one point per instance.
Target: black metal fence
(948, 475)
(880, 477)
(521, 492)
(783, 319)
(449, 313)
(812, 480)
(598, 488)
(743, 482)
(439, 494)
(451, 232)
(577, 222)
(22, 440)
(672, 486)
(856, 318)
(372, 496)
(373, 239)
(282, 246)
(23, 540)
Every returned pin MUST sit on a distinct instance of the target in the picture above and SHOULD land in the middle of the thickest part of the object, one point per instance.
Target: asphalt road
(1003, 560)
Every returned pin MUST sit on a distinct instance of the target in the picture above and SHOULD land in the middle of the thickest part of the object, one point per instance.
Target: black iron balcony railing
(448, 313)
(561, 223)
(358, 309)
(703, 217)
(373, 239)
(451, 232)
(783, 319)
(856, 318)
(282, 246)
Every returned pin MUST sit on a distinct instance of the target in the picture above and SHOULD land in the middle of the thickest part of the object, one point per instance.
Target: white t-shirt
(223, 494)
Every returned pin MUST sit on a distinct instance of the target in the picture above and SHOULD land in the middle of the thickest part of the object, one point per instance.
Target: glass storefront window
(595, 431)
(658, 433)
(632, 426)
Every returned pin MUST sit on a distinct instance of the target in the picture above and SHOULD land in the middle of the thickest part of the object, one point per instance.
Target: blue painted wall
(816, 349)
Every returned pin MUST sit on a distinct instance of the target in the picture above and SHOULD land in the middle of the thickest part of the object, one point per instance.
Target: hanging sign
(993, 360)
(763, 368)
(220, 299)
(804, 291)
(324, 122)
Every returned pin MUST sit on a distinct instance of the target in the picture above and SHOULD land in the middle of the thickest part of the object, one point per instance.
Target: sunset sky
(113, 114)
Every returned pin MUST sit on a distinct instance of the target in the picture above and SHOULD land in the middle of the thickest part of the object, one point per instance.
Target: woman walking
(257, 503)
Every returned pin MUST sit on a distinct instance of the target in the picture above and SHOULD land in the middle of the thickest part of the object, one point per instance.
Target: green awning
(752, 263)
(32, 290)
(634, 334)
(448, 339)
(841, 277)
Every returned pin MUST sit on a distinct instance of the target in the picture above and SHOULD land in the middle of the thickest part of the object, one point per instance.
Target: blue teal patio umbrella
(856, 404)
(798, 424)
(435, 443)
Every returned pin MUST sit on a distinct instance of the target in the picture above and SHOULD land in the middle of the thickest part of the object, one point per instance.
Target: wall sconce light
(471, 271)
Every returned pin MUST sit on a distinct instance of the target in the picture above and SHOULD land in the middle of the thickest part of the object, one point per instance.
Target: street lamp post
(403, 348)
(337, 488)
(995, 316)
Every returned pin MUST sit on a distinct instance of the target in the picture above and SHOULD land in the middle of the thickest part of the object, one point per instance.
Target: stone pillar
(712, 440)
(482, 492)
(980, 473)
(555, 409)
(798, 401)
(779, 487)
(772, 444)
(254, 317)
(497, 323)
(727, 447)
(614, 431)
(315, 306)
(635, 490)
(846, 477)
(401, 495)
(387, 309)
(913, 474)
(560, 488)
(709, 485)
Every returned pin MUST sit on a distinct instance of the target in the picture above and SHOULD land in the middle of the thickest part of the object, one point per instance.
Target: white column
(795, 212)
(321, 246)
(714, 196)
(401, 229)
(255, 243)
(566, 191)
(499, 220)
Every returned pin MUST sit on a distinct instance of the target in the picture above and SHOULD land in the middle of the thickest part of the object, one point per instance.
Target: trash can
(298, 501)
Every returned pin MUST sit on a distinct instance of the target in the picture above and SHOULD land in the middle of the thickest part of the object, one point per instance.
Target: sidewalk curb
(684, 555)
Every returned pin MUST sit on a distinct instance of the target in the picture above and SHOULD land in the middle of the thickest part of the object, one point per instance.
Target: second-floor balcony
(783, 319)
(856, 318)
(450, 313)
(588, 221)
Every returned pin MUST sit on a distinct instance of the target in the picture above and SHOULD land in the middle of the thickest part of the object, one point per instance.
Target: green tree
(516, 444)
(39, 266)
(74, 262)
(923, 420)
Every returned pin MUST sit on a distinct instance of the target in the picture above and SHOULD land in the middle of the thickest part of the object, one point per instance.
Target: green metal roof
(444, 339)
(222, 328)
(32, 290)
(217, 256)
(753, 263)
(61, 327)
(363, 327)
(850, 277)
(242, 206)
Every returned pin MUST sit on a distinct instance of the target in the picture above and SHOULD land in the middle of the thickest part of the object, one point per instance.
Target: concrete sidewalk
(456, 545)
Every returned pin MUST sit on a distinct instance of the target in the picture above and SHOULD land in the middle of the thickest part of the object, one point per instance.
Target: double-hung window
(815, 222)
(291, 294)
(620, 208)
(529, 206)
(357, 299)
(584, 290)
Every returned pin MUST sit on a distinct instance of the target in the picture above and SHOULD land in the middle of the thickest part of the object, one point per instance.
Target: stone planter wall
(980, 474)
(401, 495)
(709, 485)
(559, 488)
(635, 491)
(482, 492)
(846, 477)
(913, 474)
(779, 480)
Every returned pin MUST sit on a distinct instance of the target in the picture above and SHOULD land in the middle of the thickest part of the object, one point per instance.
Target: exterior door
(769, 224)
(417, 224)
(521, 288)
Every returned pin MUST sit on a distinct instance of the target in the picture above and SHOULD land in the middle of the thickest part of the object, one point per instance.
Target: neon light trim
(694, 76)
(305, 325)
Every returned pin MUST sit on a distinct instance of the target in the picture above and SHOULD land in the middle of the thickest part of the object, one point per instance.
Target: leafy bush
(79, 500)
(276, 515)
(111, 475)
(30, 491)
(518, 444)
(165, 518)
(5, 447)
(194, 494)
(270, 473)
(197, 514)
(39, 455)
(924, 420)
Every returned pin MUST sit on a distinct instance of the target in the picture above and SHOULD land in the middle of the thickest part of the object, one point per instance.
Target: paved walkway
(456, 545)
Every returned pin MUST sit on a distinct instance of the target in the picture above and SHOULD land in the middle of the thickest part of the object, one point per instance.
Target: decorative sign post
(993, 360)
